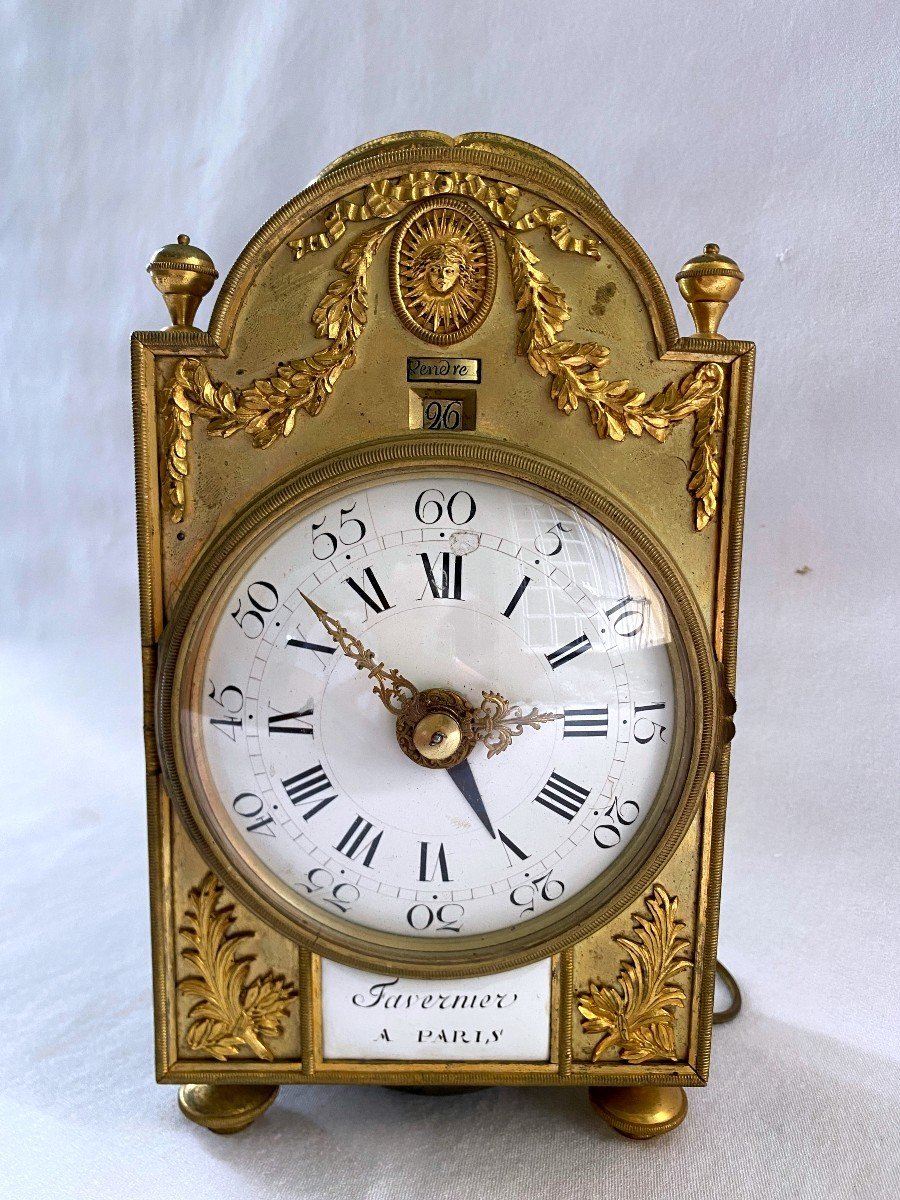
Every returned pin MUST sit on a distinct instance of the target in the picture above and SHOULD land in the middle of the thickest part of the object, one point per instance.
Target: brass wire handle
(724, 1015)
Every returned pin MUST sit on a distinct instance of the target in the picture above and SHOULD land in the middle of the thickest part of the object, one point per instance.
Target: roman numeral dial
(538, 648)
(360, 841)
(369, 591)
(433, 863)
(586, 722)
(315, 647)
(291, 722)
(309, 791)
(516, 597)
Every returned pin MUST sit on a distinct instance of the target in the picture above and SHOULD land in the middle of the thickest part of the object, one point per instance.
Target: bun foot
(225, 1107)
(640, 1112)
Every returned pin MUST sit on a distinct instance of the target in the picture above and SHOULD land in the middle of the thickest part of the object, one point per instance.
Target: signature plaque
(494, 1018)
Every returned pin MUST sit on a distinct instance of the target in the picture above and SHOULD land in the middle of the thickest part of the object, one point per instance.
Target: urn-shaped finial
(184, 274)
(708, 283)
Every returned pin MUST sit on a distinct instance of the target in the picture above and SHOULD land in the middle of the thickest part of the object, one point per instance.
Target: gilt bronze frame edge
(727, 591)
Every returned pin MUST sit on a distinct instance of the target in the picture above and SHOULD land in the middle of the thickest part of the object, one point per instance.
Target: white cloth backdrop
(770, 127)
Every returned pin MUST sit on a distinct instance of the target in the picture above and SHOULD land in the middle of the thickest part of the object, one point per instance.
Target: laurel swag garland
(229, 1012)
(267, 409)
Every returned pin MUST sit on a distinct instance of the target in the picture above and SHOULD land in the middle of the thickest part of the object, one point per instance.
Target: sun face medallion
(443, 270)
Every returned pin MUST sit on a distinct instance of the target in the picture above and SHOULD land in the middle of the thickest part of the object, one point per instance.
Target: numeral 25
(545, 887)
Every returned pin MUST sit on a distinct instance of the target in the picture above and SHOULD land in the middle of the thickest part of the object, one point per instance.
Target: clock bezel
(368, 949)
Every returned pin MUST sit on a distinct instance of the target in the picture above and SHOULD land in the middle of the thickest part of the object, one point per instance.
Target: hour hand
(393, 689)
(495, 722)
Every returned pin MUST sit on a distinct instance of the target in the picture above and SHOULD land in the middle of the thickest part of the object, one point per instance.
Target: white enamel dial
(457, 581)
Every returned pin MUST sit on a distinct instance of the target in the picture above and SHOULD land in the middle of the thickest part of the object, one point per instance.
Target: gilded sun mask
(443, 270)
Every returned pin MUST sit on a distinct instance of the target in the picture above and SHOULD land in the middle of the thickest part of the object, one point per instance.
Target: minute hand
(393, 689)
(462, 776)
(495, 722)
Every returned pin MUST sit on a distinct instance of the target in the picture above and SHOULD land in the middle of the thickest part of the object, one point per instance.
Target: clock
(439, 601)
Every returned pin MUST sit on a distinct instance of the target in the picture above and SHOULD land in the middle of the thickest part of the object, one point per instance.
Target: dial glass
(455, 581)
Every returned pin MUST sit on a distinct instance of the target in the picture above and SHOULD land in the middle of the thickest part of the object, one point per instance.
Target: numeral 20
(623, 813)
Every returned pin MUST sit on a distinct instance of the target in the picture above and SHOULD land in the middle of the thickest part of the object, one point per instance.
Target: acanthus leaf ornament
(229, 1012)
(268, 408)
(635, 1016)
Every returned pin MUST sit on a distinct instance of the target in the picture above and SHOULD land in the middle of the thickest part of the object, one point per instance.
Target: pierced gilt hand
(494, 723)
(393, 689)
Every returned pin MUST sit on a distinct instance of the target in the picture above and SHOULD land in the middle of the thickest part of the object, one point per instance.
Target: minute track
(473, 644)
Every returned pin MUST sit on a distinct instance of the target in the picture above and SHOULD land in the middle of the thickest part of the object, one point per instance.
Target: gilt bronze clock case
(437, 305)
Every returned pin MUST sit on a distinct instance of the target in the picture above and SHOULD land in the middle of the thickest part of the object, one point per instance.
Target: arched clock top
(498, 174)
(475, 240)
